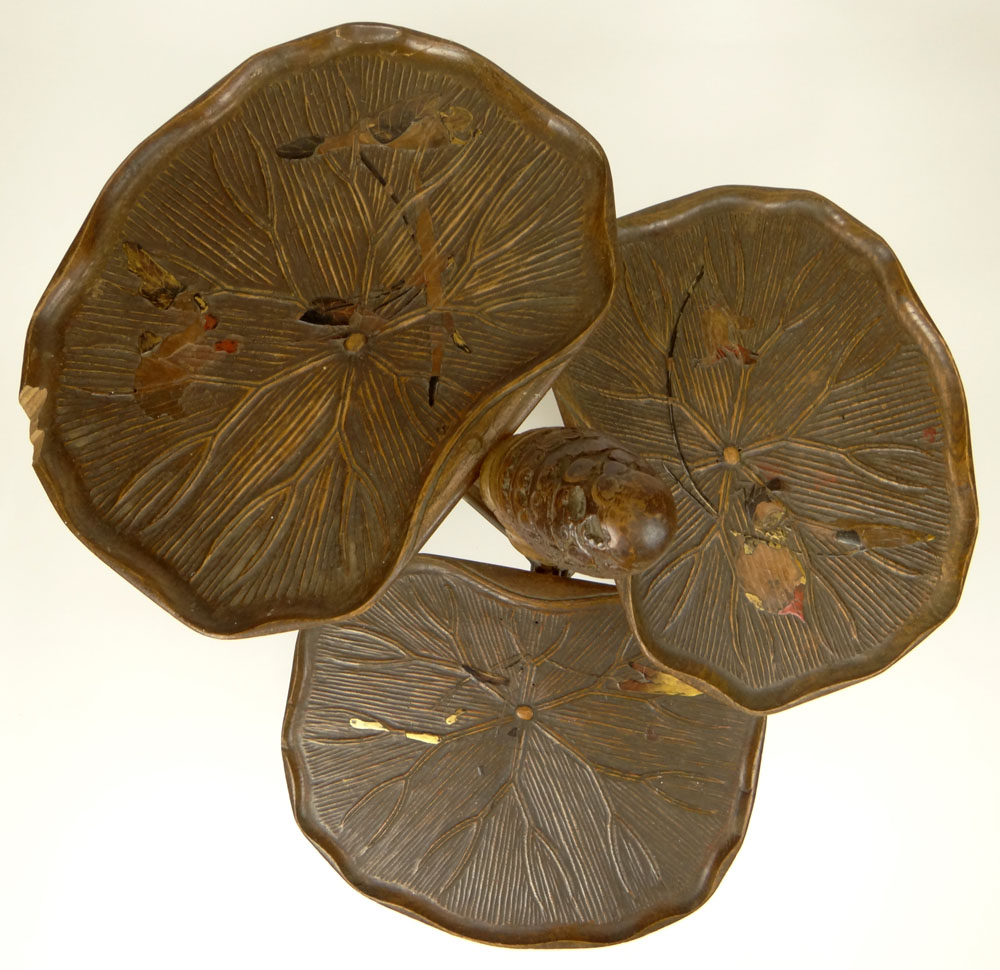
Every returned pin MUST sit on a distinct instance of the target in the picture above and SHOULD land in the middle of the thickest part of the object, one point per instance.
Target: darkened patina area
(485, 749)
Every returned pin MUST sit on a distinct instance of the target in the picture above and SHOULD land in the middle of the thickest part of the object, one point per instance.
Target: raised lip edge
(560, 937)
(151, 575)
(947, 382)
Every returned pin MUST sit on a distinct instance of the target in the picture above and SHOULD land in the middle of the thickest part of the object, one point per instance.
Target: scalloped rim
(513, 401)
(514, 587)
(662, 219)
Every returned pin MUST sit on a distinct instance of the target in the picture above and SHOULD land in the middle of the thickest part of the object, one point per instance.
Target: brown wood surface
(766, 351)
(578, 501)
(300, 313)
(487, 750)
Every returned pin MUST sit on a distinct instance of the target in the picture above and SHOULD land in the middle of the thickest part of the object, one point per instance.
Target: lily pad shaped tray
(487, 750)
(299, 315)
(767, 352)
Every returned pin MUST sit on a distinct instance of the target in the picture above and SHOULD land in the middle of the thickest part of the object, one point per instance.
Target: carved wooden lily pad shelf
(587, 802)
(768, 353)
(285, 343)
(264, 373)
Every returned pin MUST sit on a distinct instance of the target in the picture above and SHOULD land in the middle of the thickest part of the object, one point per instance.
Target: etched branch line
(765, 350)
(487, 747)
(330, 273)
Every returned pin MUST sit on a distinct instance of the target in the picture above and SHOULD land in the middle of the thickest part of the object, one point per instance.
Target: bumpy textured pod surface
(484, 749)
(578, 500)
(768, 350)
(300, 313)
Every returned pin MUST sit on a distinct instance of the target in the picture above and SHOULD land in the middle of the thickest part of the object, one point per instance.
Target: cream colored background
(144, 820)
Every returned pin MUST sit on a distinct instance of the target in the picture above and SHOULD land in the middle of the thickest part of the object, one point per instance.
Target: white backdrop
(144, 820)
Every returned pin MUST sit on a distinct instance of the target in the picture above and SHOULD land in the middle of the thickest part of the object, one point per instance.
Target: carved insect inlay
(415, 126)
(168, 361)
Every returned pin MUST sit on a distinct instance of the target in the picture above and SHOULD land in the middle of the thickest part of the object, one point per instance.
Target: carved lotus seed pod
(578, 500)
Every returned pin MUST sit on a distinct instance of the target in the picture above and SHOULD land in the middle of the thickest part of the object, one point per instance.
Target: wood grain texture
(484, 749)
(300, 313)
(767, 352)
(578, 501)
